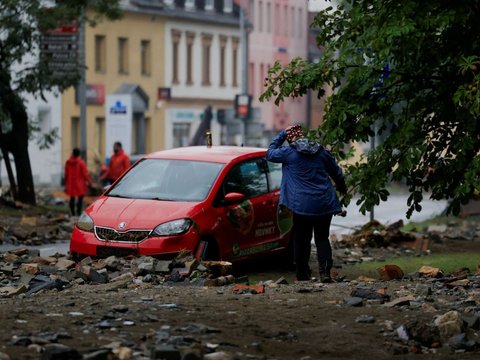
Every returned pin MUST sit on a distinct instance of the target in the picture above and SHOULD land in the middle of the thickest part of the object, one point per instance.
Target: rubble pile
(36, 230)
(450, 303)
(375, 241)
(24, 271)
(375, 235)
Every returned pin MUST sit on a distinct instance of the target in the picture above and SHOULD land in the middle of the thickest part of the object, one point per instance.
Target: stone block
(390, 272)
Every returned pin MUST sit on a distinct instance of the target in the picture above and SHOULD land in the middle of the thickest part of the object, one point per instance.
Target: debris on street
(150, 308)
(25, 271)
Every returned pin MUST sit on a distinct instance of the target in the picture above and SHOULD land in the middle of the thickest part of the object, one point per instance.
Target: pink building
(280, 31)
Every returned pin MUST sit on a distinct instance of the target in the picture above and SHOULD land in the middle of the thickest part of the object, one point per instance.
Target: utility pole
(372, 147)
(82, 88)
(244, 39)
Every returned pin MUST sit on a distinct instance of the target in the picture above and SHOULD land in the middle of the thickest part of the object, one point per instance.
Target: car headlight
(174, 227)
(85, 222)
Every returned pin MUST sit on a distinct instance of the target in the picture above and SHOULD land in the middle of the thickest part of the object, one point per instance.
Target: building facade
(202, 67)
(279, 33)
(151, 75)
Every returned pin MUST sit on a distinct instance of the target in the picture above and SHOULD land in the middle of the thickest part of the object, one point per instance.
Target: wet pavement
(388, 212)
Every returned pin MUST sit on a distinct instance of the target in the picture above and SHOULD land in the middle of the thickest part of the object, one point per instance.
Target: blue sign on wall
(118, 108)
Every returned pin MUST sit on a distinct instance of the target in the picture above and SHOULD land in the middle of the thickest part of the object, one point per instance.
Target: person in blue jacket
(307, 190)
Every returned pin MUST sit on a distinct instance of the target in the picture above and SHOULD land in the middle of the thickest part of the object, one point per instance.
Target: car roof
(219, 154)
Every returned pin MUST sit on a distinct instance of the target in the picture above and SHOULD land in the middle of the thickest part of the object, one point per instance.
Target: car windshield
(171, 180)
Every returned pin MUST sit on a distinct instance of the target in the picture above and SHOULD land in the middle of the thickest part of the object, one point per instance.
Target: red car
(220, 203)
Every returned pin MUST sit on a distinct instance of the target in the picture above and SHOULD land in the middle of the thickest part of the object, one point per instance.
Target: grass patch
(446, 262)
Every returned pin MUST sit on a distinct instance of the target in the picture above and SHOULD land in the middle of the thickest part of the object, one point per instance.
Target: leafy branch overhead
(407, 72)
(26, 69)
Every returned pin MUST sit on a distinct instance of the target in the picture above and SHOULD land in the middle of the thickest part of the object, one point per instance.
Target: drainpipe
(82, 89)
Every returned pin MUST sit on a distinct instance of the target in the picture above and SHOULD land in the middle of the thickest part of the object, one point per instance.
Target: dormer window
(209, 5)
(227, 6)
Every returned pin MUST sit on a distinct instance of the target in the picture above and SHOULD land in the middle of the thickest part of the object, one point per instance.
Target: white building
(202, 66)
(46, 116)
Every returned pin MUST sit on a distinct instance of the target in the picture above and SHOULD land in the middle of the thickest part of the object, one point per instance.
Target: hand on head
(294, 132)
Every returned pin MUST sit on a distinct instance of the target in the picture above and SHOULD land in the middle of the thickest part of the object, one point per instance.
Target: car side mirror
(233, 198)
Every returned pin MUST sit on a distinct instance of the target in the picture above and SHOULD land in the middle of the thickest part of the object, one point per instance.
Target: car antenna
(208, 137)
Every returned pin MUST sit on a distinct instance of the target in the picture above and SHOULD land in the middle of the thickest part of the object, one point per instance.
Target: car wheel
(207, 250)
(76, 257)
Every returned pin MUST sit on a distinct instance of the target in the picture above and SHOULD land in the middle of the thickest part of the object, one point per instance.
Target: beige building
(124, 52)
(152, 74)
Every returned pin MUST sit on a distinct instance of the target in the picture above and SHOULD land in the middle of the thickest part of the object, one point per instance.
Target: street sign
(59, 51)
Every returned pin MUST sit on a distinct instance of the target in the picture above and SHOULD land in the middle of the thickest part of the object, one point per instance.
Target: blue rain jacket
(307, 168)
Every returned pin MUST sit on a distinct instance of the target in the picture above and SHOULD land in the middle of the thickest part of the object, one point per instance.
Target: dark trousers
(78, 207)
(303, 226)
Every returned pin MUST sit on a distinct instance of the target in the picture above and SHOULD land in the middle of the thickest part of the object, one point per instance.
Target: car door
(284, 217)
(245, 228)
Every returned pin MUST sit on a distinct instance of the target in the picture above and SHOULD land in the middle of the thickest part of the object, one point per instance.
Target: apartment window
(269, 17)
(175, 48)
(292, 25)
(75, 133)
(44, 120)
(190, 40)
(277, 19)
(251, 13)
(300, 23)
(123, 55)
(227, 6)
(235, 46)
(206, 44)
(100, 53)
(260, 16)
(181, 134)
(223, 48)
(146, 56)
(208, 4)
(100, 137)
(261, 77)
(251, 79)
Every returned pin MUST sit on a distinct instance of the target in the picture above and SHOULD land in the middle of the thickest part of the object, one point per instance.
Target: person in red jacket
(76, 179)
(119, 163)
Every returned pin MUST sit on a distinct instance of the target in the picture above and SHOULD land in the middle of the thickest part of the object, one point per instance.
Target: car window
(274, 175)
(162, 179)
(247, 178)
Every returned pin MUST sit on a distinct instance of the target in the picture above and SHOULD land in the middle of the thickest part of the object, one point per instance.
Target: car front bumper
(87, 244)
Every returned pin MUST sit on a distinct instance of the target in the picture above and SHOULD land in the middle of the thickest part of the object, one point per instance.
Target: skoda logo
(122, 225)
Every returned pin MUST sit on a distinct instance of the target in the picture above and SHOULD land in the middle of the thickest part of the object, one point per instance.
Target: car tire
(76, 257)
(207, 249)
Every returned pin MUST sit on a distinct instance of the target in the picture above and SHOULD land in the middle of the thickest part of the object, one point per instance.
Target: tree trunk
(16, 142)
(11, 178)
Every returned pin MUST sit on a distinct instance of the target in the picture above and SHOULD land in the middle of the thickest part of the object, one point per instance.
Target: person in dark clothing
(306, 189)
